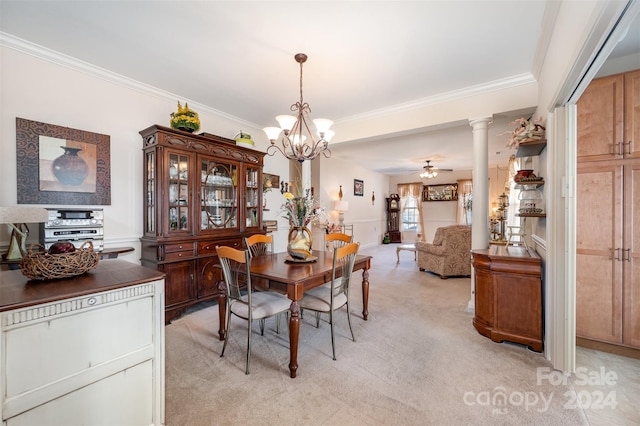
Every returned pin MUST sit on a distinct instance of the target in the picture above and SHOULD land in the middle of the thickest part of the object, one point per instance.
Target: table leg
(294, 333)
(398, 254)
(222, 309)
(365, 294)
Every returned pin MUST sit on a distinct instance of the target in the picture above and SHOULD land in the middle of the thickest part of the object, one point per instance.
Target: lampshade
(342, 206)
(23, 215)
(286, 122)
(16, 217)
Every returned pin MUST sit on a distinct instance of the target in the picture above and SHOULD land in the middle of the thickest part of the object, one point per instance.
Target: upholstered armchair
(449, 254)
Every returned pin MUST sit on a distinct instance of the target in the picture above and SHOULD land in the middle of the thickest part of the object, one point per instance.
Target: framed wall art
(444, 192)
(358, 187)
(270, 182)
(60, 165)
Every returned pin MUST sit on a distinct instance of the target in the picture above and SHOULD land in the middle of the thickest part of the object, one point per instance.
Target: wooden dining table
(275, 272)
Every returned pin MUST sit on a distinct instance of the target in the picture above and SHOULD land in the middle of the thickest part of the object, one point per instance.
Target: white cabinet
(97, 358)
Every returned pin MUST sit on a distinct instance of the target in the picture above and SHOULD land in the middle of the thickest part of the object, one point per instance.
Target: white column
(480, 209)
(305, 178)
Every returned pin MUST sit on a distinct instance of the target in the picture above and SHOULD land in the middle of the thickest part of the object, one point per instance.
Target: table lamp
(17, 218)
(341, 207)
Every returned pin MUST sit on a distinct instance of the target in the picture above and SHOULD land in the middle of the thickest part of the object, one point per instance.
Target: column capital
(478, 121)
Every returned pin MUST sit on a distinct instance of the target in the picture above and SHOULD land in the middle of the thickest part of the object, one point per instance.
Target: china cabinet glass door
(179, 217)
(253, 190)
(218, 195)
(150, 183)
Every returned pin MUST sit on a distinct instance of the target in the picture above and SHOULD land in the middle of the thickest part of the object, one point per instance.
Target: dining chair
(336, 240)
(248, 305)
(330, 299)
(259, 244)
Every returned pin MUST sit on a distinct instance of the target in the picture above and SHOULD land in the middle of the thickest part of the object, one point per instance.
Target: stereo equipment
(73, 225)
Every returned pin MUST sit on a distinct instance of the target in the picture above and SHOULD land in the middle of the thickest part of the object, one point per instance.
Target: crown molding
(480, 89)
(55, 57)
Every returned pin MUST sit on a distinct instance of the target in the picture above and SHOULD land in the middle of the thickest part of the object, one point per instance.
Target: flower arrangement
(185, 118)
(526, 130)
(300, 211)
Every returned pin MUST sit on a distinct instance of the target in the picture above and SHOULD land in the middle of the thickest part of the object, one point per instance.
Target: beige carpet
(416, 361)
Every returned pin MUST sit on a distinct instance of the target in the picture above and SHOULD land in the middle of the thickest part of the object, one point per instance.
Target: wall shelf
(527, 149)
(531, 215)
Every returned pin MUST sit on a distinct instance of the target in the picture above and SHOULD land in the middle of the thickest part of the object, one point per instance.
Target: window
(410, 215)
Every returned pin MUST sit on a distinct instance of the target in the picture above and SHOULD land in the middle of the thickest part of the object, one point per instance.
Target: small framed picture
(358, 187)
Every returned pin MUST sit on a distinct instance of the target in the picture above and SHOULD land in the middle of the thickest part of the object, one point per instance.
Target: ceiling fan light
(286, 122)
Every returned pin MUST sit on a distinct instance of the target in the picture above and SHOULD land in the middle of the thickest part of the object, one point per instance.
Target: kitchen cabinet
(201, 191)
(608, 125)
(607, 258)
(608, 196)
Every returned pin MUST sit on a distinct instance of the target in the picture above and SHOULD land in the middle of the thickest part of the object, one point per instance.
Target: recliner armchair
(449, 254)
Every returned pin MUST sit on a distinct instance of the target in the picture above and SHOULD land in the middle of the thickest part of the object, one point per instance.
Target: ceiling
(236, 57)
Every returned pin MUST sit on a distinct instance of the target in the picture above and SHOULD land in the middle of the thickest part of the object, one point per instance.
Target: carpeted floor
(416, 361)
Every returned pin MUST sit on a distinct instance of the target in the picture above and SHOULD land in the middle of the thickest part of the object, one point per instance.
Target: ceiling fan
(430, 171)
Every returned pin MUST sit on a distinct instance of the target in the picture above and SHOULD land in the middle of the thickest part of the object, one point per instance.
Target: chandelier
(298, 142)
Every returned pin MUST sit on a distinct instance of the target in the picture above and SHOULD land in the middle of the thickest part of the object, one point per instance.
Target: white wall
(368, 218)
(45, 91)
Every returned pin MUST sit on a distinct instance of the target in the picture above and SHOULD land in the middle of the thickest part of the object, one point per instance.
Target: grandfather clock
(393, 218)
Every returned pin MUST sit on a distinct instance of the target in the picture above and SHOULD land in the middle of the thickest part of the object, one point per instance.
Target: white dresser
(85, 350)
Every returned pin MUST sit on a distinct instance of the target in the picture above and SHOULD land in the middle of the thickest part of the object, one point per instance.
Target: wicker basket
(40, 265)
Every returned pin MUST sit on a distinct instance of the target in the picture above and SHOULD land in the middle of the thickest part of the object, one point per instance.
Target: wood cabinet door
(632, 114)
(208, 276)
(631, 263)
(598, 246)
(178, 282)
(600, 119)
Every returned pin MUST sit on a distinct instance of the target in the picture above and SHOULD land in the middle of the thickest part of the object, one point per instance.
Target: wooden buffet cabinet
(201, 191)
(83, 350)
(508, 295)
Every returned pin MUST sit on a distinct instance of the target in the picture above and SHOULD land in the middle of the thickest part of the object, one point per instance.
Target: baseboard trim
(608, 347)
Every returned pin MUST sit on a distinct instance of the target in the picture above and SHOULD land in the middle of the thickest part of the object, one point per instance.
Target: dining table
(277, 272)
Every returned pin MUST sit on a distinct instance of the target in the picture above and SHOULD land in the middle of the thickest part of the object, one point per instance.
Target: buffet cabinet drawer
(209, 247)
(171, 248)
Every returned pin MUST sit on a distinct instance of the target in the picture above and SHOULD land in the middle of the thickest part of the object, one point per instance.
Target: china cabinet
(607, 220)
(201, 191)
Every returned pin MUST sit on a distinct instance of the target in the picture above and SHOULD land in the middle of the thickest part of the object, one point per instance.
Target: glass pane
(151, 202)
(252, 197)
(218, 195)
(178, 193)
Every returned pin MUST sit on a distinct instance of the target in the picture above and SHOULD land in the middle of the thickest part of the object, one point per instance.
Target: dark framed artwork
(270, 182)
(444, 192)
(61, 165)
(358, 187)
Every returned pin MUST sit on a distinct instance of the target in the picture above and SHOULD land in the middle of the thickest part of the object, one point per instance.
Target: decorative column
(480, 210)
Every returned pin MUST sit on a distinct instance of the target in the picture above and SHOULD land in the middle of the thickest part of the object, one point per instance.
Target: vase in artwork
(299, 242)
(70, 168)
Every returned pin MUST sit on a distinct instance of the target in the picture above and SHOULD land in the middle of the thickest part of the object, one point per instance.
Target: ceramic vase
(299, 242)
(69, 168)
